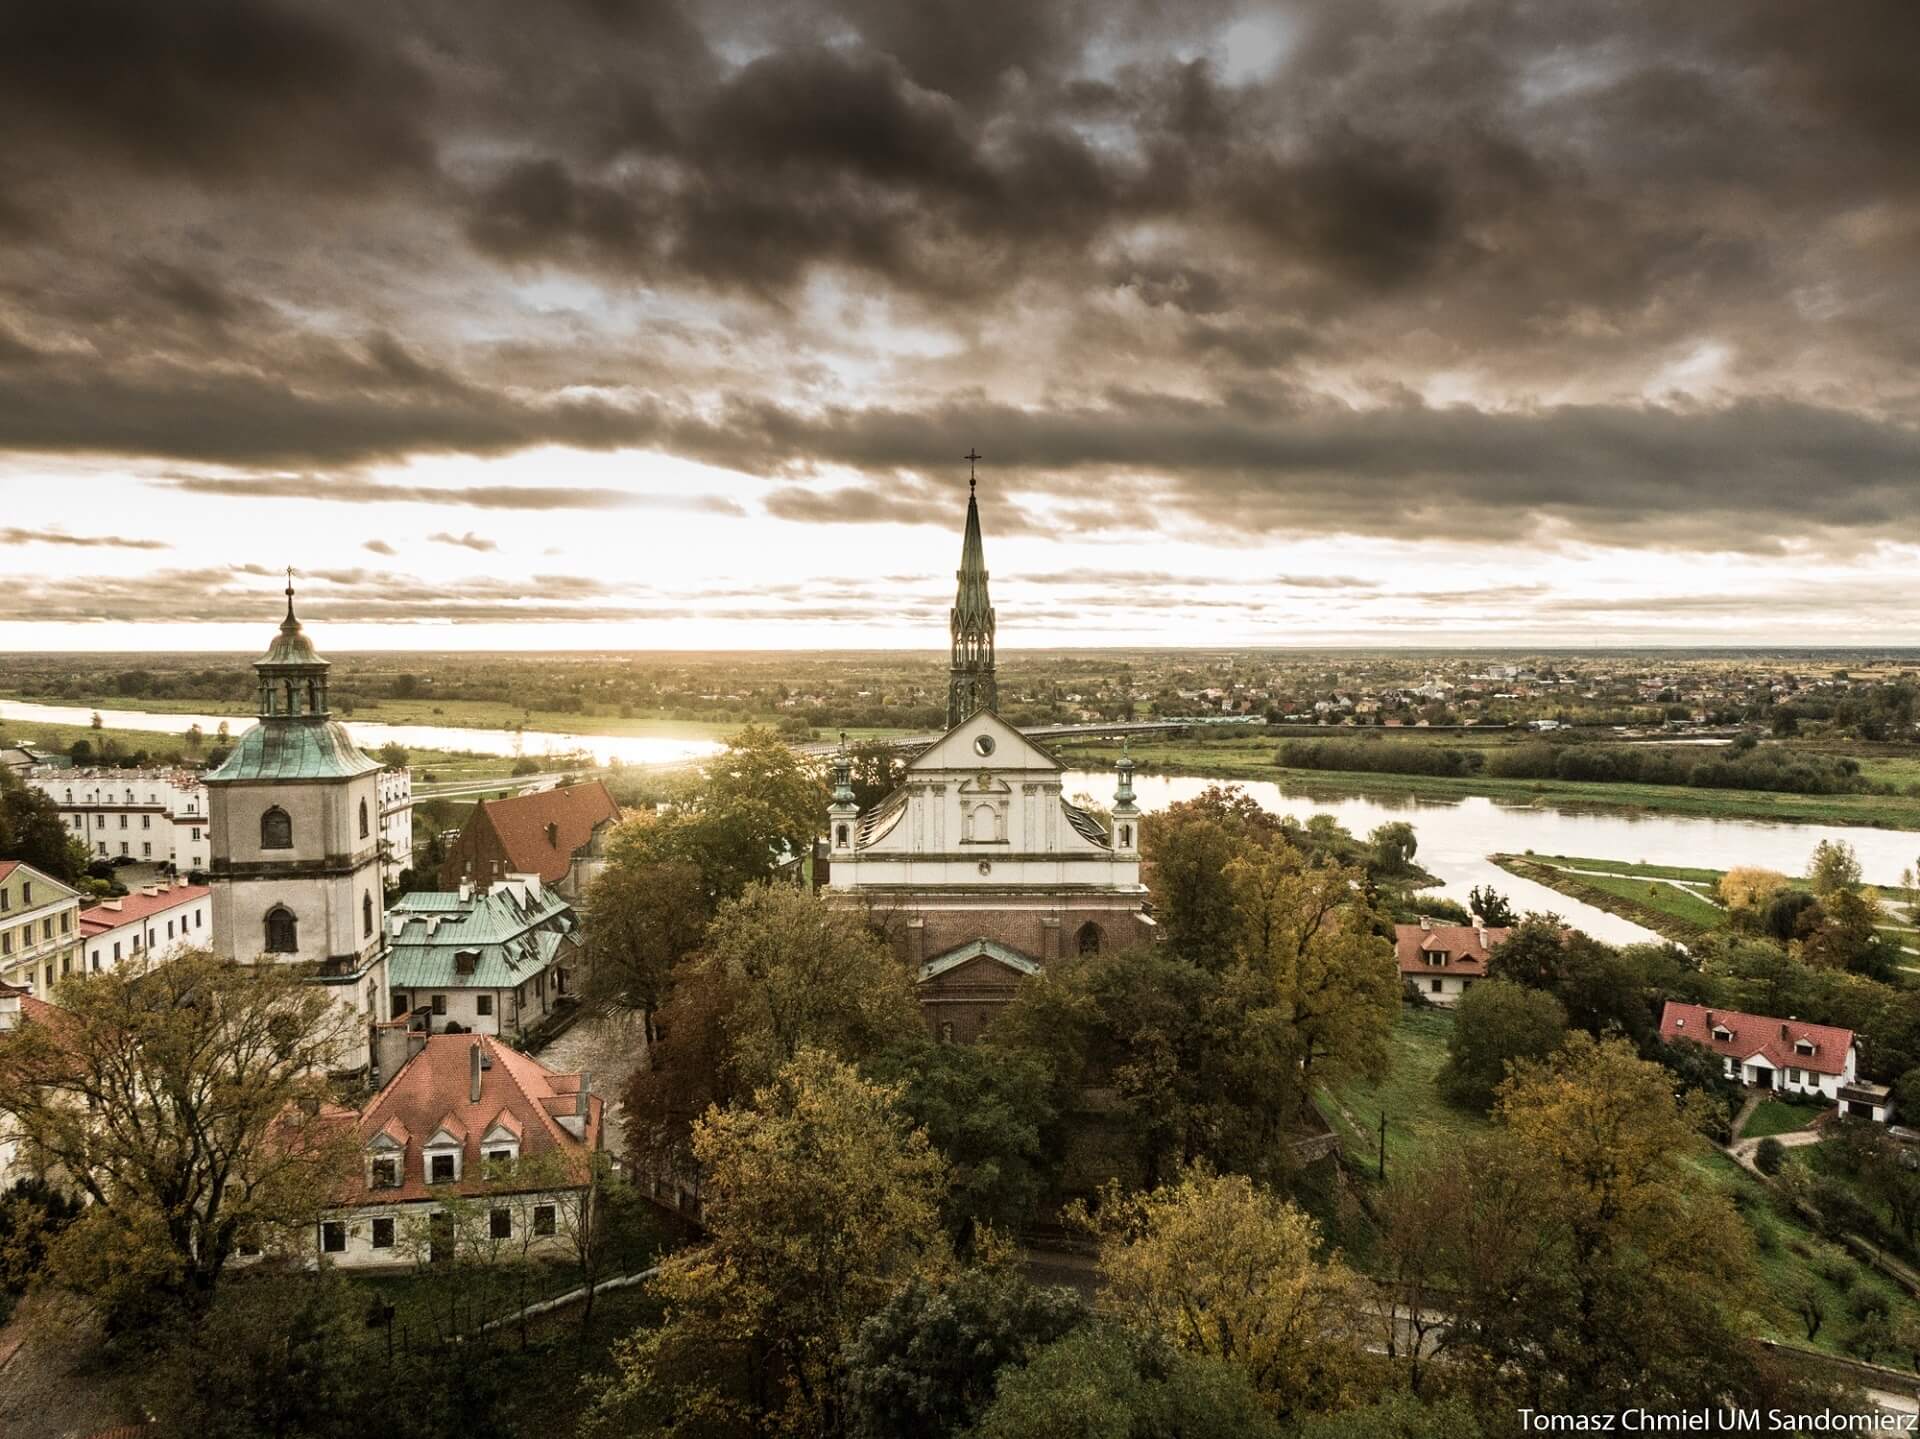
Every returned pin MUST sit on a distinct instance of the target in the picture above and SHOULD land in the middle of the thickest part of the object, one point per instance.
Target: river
(627, 749)
(1457, 836)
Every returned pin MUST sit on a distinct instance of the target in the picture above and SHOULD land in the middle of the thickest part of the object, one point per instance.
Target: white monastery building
(151, 815)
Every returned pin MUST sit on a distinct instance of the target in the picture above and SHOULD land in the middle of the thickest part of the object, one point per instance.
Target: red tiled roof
(520, 824)
(8, 866)
(30, 1008)
(98, 918)
(1760, 1034)
(430, 1092)
(1465, 945)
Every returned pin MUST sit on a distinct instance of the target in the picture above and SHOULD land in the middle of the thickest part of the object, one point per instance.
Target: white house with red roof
(1442, 961)
(1785, 1056)
(471, 1144)
(144, 928)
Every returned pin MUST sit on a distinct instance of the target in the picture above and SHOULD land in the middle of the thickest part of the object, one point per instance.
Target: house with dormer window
(1443, 961)
(1783, 1056)
(458, 1123)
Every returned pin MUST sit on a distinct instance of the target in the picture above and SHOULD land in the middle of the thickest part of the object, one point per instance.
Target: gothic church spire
(971, 686)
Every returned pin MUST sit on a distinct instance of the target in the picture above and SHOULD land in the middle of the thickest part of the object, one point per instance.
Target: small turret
(843, 813)
(293, 678)
(1126, 814)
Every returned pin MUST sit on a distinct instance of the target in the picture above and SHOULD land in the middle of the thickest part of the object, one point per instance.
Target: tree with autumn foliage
(754, 803)
(780, 969)
(185, 1103)
(1222, 1267)
(821, 1204)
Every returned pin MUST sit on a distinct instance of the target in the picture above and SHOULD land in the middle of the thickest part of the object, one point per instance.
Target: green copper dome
(297, 748)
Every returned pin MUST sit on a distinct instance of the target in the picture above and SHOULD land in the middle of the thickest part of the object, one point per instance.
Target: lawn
(1790, 1261)
(1773, 1116)
(1420, 1124)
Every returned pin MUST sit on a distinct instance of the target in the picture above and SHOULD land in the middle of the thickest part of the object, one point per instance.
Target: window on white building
(500, 1224)
(333, 1236)
(543, 1219)
(383, 1234)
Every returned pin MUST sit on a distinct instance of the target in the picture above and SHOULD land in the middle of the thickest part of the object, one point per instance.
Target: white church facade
(978, 867)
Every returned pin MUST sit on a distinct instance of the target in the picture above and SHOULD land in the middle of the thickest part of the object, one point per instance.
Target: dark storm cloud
(1206, 291)
(350, 490)
(13, 535)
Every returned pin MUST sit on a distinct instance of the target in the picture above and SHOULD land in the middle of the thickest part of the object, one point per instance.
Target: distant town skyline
(1480, 323)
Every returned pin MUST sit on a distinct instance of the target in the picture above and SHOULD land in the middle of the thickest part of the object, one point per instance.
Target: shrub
(1770, 1156)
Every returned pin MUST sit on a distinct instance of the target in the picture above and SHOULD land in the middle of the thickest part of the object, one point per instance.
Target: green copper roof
(283, 749)
(511, 939)
(290, 648)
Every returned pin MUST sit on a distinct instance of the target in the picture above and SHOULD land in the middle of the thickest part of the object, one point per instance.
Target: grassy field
(1420, 1124)
(445, 765)
(1790, 1261)
(1252, 759)
(1670, 900)
(1772, 1116)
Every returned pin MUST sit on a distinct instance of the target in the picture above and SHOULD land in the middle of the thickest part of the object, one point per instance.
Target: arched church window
(983, 822)
(276, 829)
(363, 819)
(366, 915)
(1089, 938)
(283, 931)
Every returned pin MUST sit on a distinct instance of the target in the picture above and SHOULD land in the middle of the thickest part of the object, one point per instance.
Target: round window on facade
(986, 866)
(983, 744)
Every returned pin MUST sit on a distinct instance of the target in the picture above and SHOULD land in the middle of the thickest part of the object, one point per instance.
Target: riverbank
(1671, 910)
(1243, 759)
(453, 714)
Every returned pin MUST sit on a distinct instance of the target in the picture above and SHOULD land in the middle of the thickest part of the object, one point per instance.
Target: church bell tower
(970, 685)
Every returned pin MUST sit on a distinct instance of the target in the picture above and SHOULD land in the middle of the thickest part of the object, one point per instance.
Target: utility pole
(1383, 1146)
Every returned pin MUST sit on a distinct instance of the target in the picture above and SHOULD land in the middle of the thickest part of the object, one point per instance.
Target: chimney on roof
(553, 835)
(466, 890)
(9, 1009)
(112, 904)
(1426, 922)
(473, 1078)
(581, 1105)
(1785, 1033)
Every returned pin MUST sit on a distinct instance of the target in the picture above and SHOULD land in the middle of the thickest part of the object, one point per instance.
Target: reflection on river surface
(628, 749)
(1457, 836)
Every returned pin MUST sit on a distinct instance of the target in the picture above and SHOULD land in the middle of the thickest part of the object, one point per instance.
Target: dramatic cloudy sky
(635, 323)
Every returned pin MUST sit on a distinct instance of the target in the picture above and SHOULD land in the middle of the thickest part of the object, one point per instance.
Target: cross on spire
(972, 457)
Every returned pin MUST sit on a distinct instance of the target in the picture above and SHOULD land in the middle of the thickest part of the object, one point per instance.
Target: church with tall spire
(978, 867)
(294, 816)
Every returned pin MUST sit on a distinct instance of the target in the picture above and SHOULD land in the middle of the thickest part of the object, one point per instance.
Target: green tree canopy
(1495, 1023)
(178, 1100)
(754, 804)
(820, 1205)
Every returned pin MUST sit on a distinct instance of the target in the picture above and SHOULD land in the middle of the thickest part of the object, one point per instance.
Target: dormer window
(443, 1167)
(1723, 1034)
(1438, 956)
(1804, 1046)
(383, 1172)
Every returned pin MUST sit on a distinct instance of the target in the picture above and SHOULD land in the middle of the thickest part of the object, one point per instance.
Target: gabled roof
(431, 1092)
(976, 949)
(136, 908)
(1465, 945)
(1012, 750)
(57, 889)
(513, 935)
(1758, 1036)
(540, 833)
